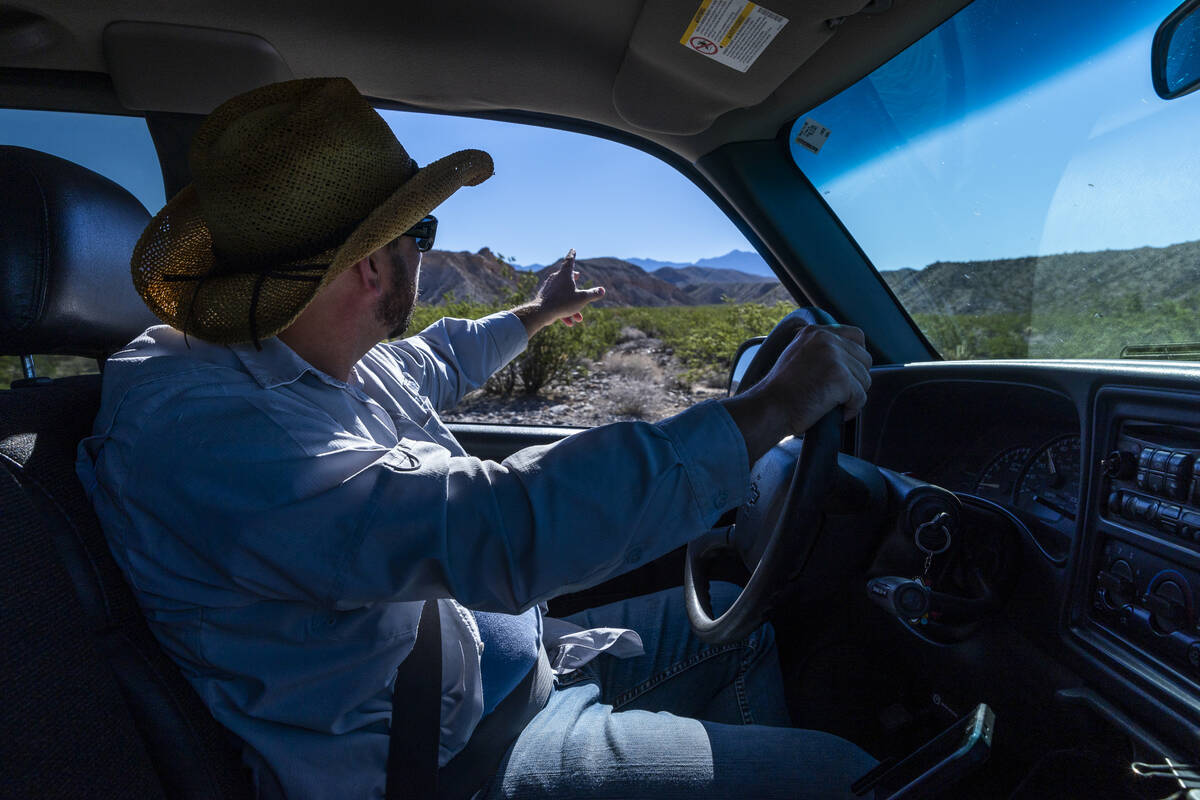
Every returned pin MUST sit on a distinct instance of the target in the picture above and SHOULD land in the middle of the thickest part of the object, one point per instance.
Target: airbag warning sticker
(732, 32)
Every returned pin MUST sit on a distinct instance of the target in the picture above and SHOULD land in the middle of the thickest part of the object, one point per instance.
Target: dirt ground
(639, 379)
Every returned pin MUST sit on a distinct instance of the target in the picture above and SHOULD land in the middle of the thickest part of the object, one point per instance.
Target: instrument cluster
(1041, 480)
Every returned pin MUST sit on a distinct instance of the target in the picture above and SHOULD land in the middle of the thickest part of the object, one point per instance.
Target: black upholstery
(103, 711)
(64, 729)
(68, 233)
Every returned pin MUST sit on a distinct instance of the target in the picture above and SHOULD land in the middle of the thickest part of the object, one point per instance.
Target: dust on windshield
(1021, 188)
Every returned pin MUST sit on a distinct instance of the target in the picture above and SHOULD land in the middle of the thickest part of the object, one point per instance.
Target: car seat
(92, 706)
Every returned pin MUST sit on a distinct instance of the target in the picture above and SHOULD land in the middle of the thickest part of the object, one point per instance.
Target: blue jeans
(685, 720)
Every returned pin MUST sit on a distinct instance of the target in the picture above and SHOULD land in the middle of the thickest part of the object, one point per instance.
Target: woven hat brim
(433, 184)
(175, 268)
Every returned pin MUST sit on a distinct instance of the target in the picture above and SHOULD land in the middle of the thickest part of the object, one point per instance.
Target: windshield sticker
(810, 135)
(732, 32)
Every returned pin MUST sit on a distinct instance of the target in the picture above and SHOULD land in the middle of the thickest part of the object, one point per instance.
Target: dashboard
(1016, 445)
(1097, 464)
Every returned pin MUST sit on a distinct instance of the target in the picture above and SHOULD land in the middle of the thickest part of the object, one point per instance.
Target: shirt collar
(277, 365)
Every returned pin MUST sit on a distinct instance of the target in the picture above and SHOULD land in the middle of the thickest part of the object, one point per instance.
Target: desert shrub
(595, 336)
(552, 354)
(10, 370)
(46, 366)
(632, 398)
(967, 336)
(704, 338)
(634, 366)
(1063, 334)
(504, 381)
(548, 358)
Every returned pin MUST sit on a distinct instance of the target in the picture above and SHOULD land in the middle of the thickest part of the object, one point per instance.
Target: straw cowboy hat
(292, 183)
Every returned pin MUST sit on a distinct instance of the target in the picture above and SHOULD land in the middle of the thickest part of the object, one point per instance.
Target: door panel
(498, 442)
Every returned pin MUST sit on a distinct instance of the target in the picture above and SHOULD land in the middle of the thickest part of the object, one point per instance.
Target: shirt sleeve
(454, 356)
(274, 504)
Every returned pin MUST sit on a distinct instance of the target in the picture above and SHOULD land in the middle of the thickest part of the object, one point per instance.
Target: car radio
(1146, 579)
(1154, 480)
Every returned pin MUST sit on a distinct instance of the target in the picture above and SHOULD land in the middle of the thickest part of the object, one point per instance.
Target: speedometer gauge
(998, 478)
(1049, 487)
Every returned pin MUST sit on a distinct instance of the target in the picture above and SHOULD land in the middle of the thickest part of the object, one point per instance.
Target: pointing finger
(568, 262)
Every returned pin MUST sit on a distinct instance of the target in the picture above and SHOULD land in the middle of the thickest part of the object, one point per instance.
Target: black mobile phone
(938, 764)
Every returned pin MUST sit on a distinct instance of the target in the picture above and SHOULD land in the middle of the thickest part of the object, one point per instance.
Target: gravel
(619, 387)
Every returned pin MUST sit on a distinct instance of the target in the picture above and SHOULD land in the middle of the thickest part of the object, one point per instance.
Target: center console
(1144, 526)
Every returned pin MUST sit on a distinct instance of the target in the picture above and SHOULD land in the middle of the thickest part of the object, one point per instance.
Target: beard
(395, 309)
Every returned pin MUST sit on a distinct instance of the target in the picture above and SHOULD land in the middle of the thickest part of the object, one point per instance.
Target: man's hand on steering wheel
(824, 366)
(803, 372)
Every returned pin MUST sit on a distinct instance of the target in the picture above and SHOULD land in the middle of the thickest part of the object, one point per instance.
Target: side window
(684, 287)
(118, 148)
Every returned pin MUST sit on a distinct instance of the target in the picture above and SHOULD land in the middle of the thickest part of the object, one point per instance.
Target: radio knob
(1117, 584)
(1168, 605)
(1119, 464)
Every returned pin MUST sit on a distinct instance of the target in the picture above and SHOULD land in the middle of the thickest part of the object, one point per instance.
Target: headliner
(616, 64)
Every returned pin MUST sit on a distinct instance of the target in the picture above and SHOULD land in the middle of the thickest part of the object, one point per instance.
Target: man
(279, 490)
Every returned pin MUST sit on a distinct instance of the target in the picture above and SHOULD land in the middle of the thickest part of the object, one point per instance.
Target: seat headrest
(66, 236)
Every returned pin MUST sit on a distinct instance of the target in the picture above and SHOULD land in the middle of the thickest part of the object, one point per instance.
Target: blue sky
(552, 190)
(1087, 158)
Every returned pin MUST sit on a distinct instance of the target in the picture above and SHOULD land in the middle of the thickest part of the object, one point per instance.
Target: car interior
(1021, 533)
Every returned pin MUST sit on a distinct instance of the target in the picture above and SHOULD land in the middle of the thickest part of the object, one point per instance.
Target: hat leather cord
(282, 273)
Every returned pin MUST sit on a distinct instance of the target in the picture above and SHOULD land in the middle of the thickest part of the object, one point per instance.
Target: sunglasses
(424, 232)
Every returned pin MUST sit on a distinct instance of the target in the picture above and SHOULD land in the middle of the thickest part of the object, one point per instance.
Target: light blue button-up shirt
(280, 527)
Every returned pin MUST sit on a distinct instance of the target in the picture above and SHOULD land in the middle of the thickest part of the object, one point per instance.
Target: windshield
(1020, 186)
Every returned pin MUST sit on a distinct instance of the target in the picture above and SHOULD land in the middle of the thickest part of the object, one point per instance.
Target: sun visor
(184, 69)
(690, 61)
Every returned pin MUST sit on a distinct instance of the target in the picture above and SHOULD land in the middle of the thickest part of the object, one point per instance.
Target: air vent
(1189, 351)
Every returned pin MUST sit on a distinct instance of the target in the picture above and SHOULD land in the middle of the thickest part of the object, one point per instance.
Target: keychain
(937, 523)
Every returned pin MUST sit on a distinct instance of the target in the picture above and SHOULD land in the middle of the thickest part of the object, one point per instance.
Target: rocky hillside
(1062, 282)
(482, 277)
(765, 292)
(684, 276)
(479, 277)
(709, 285)
(625, 284)
(1068, 282)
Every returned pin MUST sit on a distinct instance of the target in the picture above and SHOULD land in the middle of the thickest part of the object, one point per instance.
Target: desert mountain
(766, 292)
(711, 285)
(740, 260)
(652, 264)
(479, 277)
(482, 277)
(626, 284)
(1073, 282)
(686, 276)
(1062, 282)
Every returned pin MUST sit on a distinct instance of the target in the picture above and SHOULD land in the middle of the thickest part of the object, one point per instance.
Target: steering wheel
(795, 528)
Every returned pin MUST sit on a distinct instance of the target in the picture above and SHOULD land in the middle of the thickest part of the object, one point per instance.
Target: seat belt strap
(474, 766)
(414, 737)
